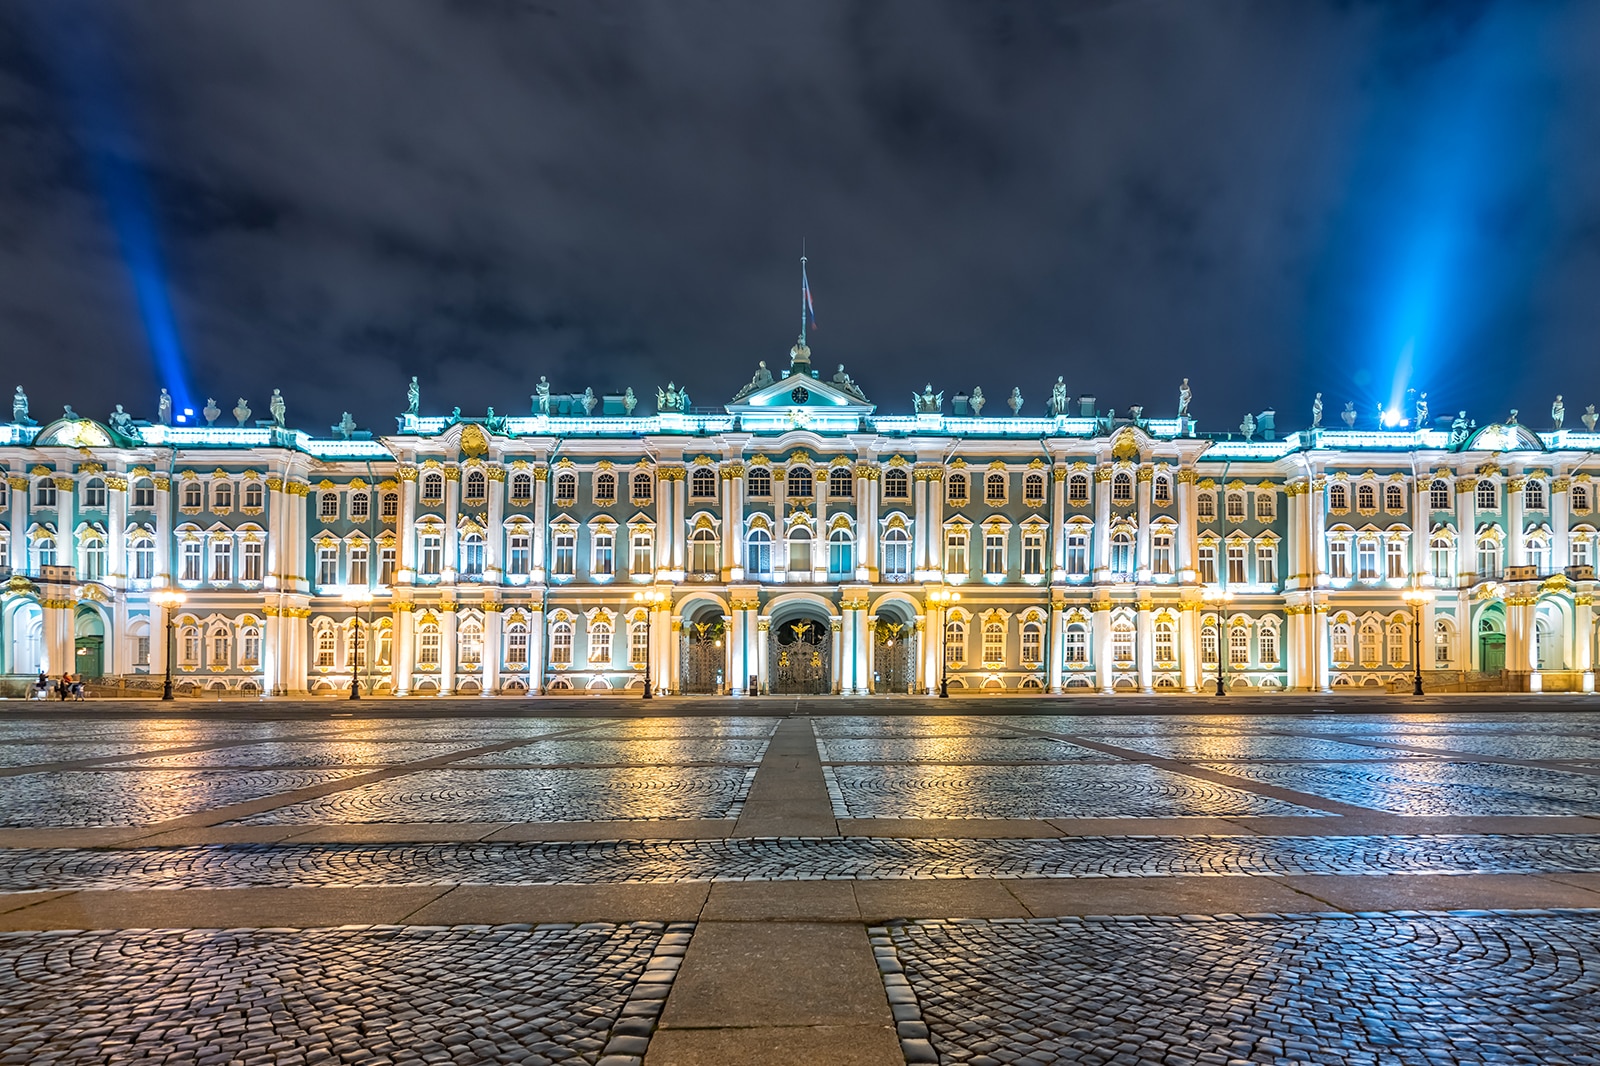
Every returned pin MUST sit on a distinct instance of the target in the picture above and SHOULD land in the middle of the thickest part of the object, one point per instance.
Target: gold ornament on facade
(1102, 475)
(17, 482)
(1145, 475)
(117, 484)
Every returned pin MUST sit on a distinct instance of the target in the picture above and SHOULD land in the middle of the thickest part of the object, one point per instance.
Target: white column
(405, 533)
(1145, 633)
(737, 652)
(452, 515)
(402, 650)
(495, 536)
(935, 523)
(919, 525)
(18, 520)
(680, 528)
(836, 625)
(763, 628)
(1421, 559)
(541, 544)
(1058, 540)
(493, 652)
(164, 530)
(1560, 524)
(819, 551)
(447, 648)
(1102, 646)
(932, 625)
(1058, 636)
(1189, 646)
(1102, 526)
(536, 646)
(1188, 526)
(116, 537)
(1467, 538)
(1513, 510)
(780, 532)
(1142, 535)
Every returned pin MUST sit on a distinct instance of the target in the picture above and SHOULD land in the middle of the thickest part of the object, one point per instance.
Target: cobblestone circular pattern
(88, 798)
(1085, 791)
(1403, 988)
(1434, 787)
(545, 994)
(544, 795)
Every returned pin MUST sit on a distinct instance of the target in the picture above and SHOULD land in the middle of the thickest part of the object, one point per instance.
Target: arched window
(1538, 554)
(1235, 506)
(517, 644)
(896, 553)
(1339, 637)
(432, 487)
(193, 495)
(1166, 643)
(1077, 642)
(897, 486)
(1533, 495)
(94, 494)
(600, 644)
(1370, 635)
(1486, 497)
(759, 482)
(255, 496)
(994, 644)
(1442, 559)
(475, 488)
(385, 646)
(955, 642)
(1208, 644)
(1122, 487)
(638, 644)
(144, 494)
(1488, 558)
(428, 644)
(1397, 643)
(1161, 489)
(1394, 498)
(1366, 497)
(1205, 506)
(605, 488)
(561, 643)
(326, 647)
(1439, 495)
(566, 487)
(1338, 497)
(1239, 646)
(1078, 489)
(994, 488)
(703, 485)
(1580, 497)
(1122, 634)
(250, 646)
(800, 551)
(703, 552)
(360, 506)
(144, 559)
(356, 645)
(644, 487)
(1032, 643)
(388, 510)
(1441, 644)
(522, 486)
(1267, 645)
(758, 551)
(1122, 552)
(328, 505)
(841, 485)
(189, 646)
(1033, 488)
(472, 554)
(94, 558)
(840, 562)
(955, 489)
(798, 483)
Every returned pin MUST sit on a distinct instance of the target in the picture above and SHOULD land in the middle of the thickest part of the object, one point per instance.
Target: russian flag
(805, 289)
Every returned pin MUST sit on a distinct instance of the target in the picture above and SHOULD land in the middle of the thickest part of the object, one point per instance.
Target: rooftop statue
(70, 414)
(541, 396)
(1136, 413)
(241, 411)
(346, 427)
(19, 408)
(672, 399)
(164, 408)
(1248, 426)
(629, 401)
(589, 401)
(120, 420)
(1422, 411)
(929, 402)
(1558, 412)
(276, 407)
(1349, 415)
(1015, 403)
(1458, 428)
(977, 401)
(1513, 419)
(1590, 418)
(413, 397)
(1316, 412)
(1184, 396)
(1058, 396)
(211, 411)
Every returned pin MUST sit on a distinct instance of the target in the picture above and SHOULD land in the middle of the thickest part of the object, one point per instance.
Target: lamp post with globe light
(170, 600)
(1416, 597)
(356, 597)
(944, 598)
(1217, 598)
(651, 599)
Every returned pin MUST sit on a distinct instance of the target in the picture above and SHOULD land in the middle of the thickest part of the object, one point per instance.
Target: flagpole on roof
(802, 290)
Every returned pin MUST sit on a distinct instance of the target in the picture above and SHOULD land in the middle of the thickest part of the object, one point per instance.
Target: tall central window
(994, 553)
(896, 554)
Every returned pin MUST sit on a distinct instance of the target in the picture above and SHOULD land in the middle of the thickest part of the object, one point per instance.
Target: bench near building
(796, 541)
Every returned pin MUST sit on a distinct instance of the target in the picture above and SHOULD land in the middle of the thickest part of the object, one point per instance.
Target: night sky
(1271, 197)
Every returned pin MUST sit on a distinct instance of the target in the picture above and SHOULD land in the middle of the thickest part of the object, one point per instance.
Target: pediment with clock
(800, 389)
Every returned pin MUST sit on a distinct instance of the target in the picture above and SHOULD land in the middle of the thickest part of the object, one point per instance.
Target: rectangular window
(604, 555)
(994, 553)
(638, 644)
(193, 560)
(1395, 551)
(1266, 564)
(955, 552)
(328, 565)
(252, 556)
(643, 559)
(44, 494)
(517, 646)
(1367, 560)
(758, 553)
(144, 560)
(565, 557)
(359, 554)
(1236, 564)
(1161, 553)
(1033, 643)
(386, 565)
(1077, 553)
(432, 553)
(1166, 644)
(1339, 558)
(141, 651)
(222, 497)
(1207, 562)
(1488, 558)
(222, 560)
(1442, 560)
(994, 643)
(1033, 555)
(519, 559)
(1580, 552)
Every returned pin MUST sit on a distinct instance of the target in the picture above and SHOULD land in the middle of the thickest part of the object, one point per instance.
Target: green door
(90, 657)
(1492, 652)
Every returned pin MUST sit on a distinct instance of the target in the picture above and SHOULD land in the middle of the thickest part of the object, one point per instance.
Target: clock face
(800, 395)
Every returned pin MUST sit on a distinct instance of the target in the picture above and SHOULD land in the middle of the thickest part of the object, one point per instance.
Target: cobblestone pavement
(787, 859)
(1434, 787)
(13, 754)
(1403, 988)
(1511, 747)
(86, 798)
(283, 753)
(1212, 747)
(1092, 790)
(529, 994)
(543, 795)
(957, 749)
(643, 751)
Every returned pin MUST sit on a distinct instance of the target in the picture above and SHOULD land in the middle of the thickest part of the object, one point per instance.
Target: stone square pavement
(848, 882)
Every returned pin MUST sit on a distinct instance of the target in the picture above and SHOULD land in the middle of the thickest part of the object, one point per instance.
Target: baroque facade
(797, 541)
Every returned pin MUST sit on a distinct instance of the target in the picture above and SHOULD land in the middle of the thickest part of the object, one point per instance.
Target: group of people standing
(67, 686)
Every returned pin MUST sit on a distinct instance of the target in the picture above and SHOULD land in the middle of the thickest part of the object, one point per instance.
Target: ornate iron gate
(703, 657)
(801, 659)
(893, 657)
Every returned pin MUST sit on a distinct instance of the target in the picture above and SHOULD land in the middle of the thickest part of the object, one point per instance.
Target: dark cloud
(1269, 198)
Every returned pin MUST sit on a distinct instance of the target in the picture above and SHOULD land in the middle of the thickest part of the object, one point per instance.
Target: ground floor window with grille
(1077, 643)
(428, 645)
(1208, 645)
(1032, 642)
(955, 642)
(1122, 641)
(639, 644)
(1441, 644)
(994, 643)
(517, 644)
(1166, 643)
(561, 644)
(1267, 641)
(1239, 646)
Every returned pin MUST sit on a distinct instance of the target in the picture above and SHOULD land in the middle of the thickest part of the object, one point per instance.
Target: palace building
(796, 540)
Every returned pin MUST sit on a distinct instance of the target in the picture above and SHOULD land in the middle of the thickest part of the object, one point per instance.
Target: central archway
(801, 653)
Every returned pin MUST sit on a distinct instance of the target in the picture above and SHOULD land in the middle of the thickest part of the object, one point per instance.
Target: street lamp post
(1219, 597)
(651, 599)
(170, 600)
(944, 597)
(1416, 597)
(356, 597)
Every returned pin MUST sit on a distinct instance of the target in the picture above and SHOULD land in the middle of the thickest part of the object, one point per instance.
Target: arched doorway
(704, 651)
(89, 643)
(894, 650)
(801, 657)
(1491, 642)
(25, 648)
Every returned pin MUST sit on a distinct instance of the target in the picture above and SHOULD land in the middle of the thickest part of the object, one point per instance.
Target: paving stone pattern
(1093, 790)
(87, 798)
(957, 749)
(786, 859)
(289, 754)
(640, 751)
(543, 795)
(1435, 787)
(1403, 988)
(462, 994)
